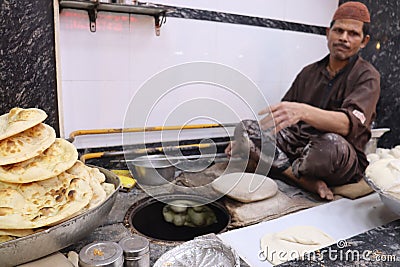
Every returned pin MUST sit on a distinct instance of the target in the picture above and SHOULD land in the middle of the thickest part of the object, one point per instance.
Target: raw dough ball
(245, 187)
(203, 217)
(385, 174)
(168, 215)
(372, 157)
(383, 153)
(188, 213)
(387, 156)
(178, 209)
(293, 243)
(395, 152)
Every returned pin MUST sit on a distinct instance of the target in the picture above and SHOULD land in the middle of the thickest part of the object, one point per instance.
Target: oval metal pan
(31, 247)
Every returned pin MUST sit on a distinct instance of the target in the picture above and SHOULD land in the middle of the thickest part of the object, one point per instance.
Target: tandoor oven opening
(145, 217)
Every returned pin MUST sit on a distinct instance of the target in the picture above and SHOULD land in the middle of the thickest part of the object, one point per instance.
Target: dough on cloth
(293, 243)
(245, 187)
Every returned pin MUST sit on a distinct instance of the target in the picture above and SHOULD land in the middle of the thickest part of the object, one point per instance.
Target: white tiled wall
(102, 71)
(313, 12)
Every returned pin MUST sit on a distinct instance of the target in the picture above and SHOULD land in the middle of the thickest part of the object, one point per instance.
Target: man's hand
(281, 115)
(237, 148)
(285, 114)
(228, 149)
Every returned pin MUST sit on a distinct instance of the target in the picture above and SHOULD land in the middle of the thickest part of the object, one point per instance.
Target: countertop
(379, 246)
(113, 228)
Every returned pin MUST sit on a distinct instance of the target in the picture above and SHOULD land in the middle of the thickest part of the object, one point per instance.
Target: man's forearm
(328, 121)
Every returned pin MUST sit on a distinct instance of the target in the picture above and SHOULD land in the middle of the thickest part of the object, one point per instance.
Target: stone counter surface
(113, 228)
(377, 247)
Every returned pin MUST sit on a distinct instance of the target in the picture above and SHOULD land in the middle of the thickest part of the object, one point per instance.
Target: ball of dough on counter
(384, 153)
(395, 152)
(385, 174)
(293, 243)
(245, 187)
(188, 213)
(372, 157)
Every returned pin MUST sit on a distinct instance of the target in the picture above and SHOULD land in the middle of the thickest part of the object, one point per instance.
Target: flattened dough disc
(245, 187)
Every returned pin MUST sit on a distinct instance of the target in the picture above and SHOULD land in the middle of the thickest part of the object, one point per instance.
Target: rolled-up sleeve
(360, 104)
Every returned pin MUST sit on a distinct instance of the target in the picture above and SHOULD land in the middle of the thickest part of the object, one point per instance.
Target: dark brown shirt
(354, 91)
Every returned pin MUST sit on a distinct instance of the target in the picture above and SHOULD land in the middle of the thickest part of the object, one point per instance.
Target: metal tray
(372, 185)
(32, 247)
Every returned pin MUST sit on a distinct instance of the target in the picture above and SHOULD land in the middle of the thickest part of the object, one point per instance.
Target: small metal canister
(104, 254)
(136, 251)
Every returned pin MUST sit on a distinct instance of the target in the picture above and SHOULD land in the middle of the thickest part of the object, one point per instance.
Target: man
(324, 120)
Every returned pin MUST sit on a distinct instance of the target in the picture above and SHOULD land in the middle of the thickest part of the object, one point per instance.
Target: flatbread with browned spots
(38, 204)
(27, 144)
(16, 232)
(59, 157)
(19, 120)
(6, 238)
(94, 177)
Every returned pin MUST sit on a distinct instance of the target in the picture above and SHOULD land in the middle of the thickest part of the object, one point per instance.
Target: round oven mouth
(146, 218)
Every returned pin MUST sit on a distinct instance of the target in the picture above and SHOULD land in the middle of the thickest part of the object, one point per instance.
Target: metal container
(136, 251)
(391, 202)
(202, 251)
(126, 2)
(101, 254)
(62, 235)
(153, 169)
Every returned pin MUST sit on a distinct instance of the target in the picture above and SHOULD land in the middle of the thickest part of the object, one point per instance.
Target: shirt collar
(324, 61)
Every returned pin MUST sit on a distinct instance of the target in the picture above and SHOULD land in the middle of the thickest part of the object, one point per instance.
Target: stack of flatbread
(42, 182)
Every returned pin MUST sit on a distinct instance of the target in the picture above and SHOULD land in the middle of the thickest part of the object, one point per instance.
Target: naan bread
(27, 144)
(16, 232)
(37, 204)
(59, 157)
(245, 187)
(5, 238)
(19, 120)
(94, 177)
(108, 187)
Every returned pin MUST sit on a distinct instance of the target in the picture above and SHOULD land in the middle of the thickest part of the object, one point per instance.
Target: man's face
(346, 38)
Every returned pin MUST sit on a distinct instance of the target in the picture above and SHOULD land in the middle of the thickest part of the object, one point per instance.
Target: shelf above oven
(94, 6)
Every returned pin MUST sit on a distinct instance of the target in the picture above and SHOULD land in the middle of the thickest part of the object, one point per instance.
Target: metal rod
(150, 150)
(199, 156)
(145, 129)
